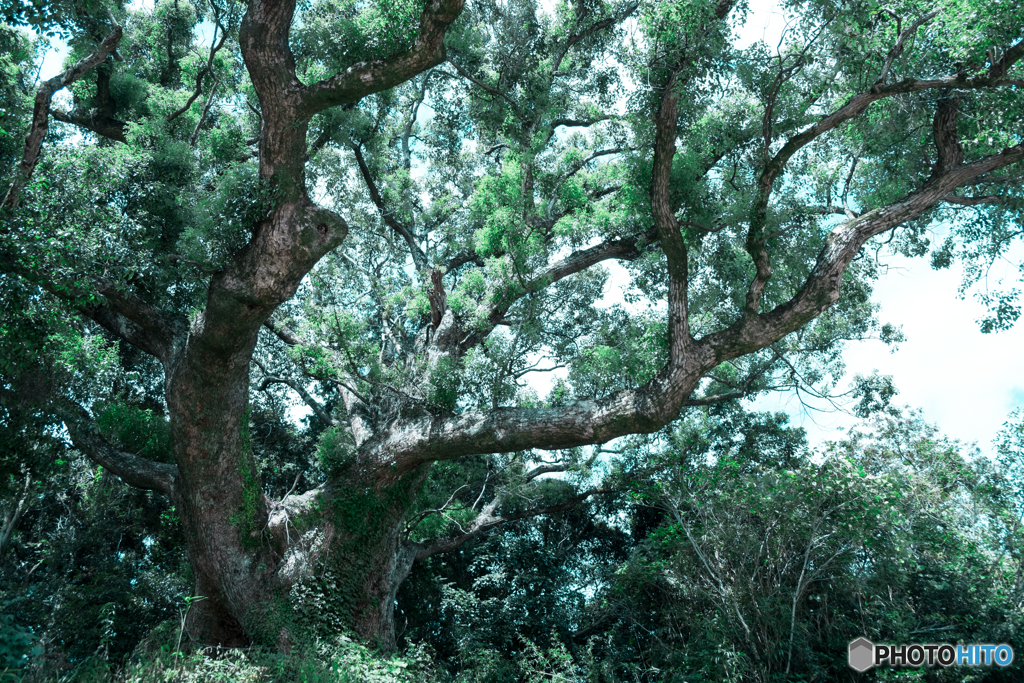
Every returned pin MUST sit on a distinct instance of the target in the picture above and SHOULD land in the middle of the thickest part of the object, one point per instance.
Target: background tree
(278, 210)
(762, 566)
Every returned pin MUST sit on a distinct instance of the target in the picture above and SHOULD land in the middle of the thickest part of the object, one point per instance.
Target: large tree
(396, 211)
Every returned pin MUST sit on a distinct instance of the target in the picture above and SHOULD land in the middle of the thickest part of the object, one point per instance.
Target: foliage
(94, 567)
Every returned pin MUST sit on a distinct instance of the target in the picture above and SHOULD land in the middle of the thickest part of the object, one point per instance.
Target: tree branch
(487, 520)
(483, 86)
(308, 399)
(208, 68)
(133, 470)
(356, 407)
(822, 287)
(854, 107)
(901, 41)
(974, 201)
(41, 114)
(494, 312)
(365, 78)
(418, 257)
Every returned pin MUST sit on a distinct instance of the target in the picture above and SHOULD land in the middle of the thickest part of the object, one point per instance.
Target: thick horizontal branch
(133, 470)
(409, 443)
(104, 126)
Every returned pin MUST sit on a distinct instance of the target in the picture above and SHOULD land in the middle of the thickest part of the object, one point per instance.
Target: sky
(964, 381)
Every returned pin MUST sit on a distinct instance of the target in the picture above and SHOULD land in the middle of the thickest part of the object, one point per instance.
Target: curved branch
(208, 68)
(133, 470)
(493, 313)
(410, 443)
(901, 41)
(308, 399)
(418, 257)
(853, 108)
(822, 287)
(487, 88)
(41, 114)
(366, 78)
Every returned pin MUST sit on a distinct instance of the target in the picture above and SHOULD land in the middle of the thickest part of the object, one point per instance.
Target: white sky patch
(966, 382)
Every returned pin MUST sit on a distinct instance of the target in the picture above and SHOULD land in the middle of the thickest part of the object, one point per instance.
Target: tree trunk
(276, 573)
(351, 583)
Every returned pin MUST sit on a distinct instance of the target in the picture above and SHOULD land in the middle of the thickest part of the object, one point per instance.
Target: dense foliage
(278, 280)
(734, 553)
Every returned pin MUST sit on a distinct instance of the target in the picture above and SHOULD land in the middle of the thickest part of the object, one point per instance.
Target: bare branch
(12, 517)
(202, 117)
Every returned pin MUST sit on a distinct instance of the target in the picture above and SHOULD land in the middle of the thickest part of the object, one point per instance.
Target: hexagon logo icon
(862, 654)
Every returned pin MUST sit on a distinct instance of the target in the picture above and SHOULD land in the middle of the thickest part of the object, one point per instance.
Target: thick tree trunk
(220, 499)
(351, 580)
(276, 573)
